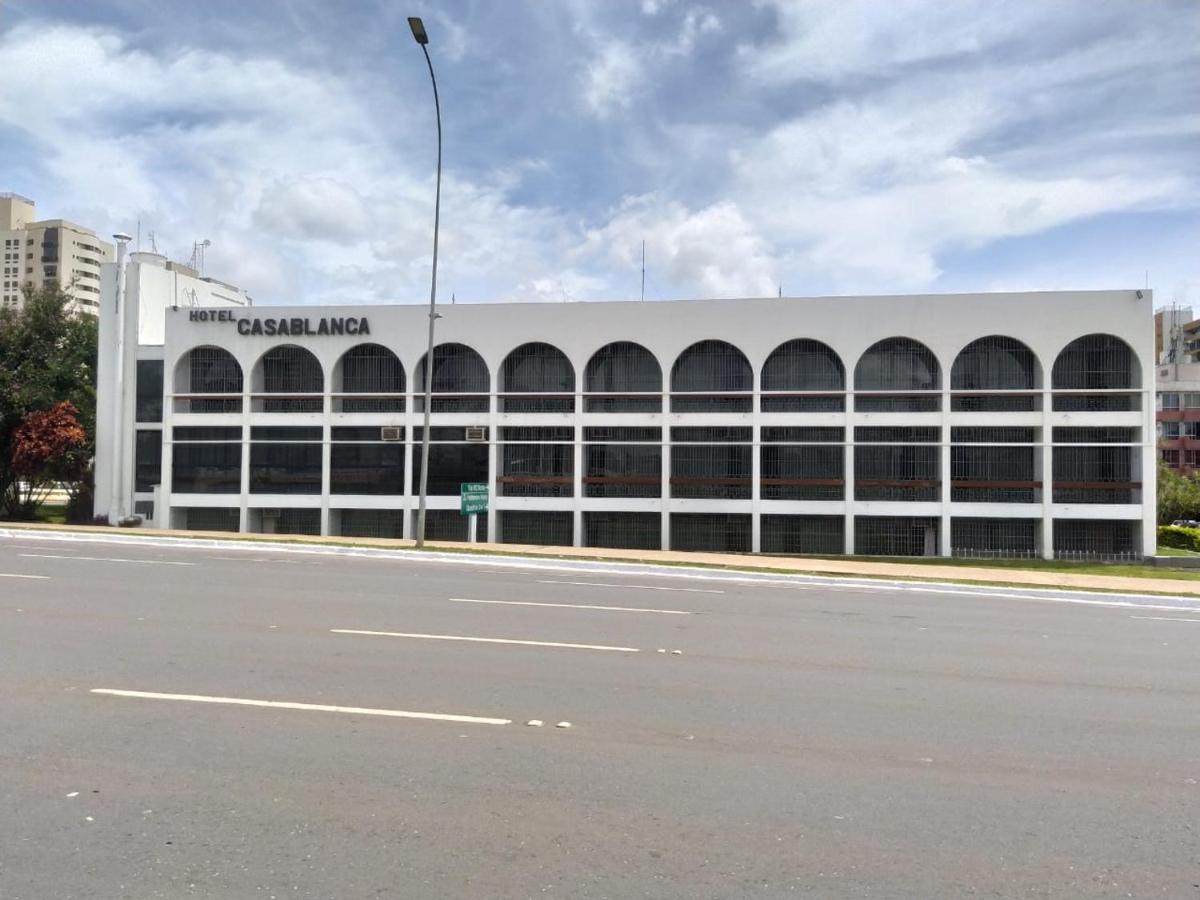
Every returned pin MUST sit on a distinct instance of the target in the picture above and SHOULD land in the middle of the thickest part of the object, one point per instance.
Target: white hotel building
(974, 424)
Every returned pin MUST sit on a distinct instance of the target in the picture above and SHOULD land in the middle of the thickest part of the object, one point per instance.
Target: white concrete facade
(153, 285)
(1045, 323)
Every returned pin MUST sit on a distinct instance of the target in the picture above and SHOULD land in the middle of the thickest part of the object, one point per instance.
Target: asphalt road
(807, 740)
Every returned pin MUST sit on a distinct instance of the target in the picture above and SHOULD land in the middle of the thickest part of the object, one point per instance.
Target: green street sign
(473, 498)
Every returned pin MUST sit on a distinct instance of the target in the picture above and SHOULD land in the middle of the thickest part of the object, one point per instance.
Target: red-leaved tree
(49, 448)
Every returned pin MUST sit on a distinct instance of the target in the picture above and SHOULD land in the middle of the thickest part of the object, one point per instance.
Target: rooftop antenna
(643, 269)
(197, 260)
(139, 234)
(781, 292)
(153, 243)
(452, 298)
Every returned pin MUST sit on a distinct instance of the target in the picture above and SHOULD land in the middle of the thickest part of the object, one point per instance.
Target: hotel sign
(294, 326)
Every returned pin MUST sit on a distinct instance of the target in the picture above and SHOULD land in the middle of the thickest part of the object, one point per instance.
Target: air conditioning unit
(476, 433)
(391, 433)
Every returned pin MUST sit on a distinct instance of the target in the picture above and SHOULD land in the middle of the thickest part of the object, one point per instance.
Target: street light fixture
(419, 34)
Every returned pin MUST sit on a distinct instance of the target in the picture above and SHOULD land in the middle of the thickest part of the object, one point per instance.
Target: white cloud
(321, 209)
(711, 252)
(610, 79)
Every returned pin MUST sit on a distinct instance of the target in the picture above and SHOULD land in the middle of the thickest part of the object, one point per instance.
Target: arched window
(799, 367)
(541, 371)
(994, 363)
(209, 370)
(897, 365)
(458, 371)
(369, 369)
(623, 370)
(711, 376)
(1096, 362)
(290, 370)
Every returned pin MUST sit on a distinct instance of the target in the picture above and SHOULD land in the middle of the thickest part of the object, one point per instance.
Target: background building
(51, 251)
(972, 425)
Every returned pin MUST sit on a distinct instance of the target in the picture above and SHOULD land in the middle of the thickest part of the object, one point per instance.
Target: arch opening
(621, 377)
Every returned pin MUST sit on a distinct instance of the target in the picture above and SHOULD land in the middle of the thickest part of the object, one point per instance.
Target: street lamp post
(418, 32)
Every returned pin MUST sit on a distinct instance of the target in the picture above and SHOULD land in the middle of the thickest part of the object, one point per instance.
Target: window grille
(1096, 474)
(895, 536)
(371, 523)
(449, 466)
(802, 472)
(147, 466)
(363, 467)
(994, 363)
(978, 538)
(623, 470)
(897, 364)
(909, 472)
(874, 434)
(291, 370)
(1096, 362)
(206, 468)
(287, 521)
(814, 535)
(624, 530)
(1169, 401)
(713, 532)
(1096, 435)
(773, 434)
(149, 392)
(1106, 539)
(205, 518)
(618, 434)
(537, 433)
(451, 525)
(799, 366)
(537, 470)
(280, 468)
(993, 474)
(457, 369)
(548, 529)
(540, 370)
(371, 369)
(623, 370)
(977, 435)
(732, 435)
(714, 373)
(716, 471)
(213, 370)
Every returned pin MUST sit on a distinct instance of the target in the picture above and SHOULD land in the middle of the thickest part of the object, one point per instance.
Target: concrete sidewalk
(850, 568)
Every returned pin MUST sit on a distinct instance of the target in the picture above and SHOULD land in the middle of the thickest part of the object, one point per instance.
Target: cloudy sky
(856, 146)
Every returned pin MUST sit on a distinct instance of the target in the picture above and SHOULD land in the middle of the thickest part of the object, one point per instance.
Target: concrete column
(945, 547)
(577, 468)
(410, 421)
(1047, 457)
(755, 488)
(326, 453)
(848, 475)
(666, 481)
(244, 509)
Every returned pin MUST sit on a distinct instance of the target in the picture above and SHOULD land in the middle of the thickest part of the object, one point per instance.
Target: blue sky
(857, 146)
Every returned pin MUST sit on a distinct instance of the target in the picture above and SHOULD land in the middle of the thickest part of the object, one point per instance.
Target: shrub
(1179, 538)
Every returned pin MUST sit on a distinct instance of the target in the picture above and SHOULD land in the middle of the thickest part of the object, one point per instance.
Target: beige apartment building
(49, 251)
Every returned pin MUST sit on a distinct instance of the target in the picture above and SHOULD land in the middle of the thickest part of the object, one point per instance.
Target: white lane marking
(1165, 618)
(14, 575)
(633, 587)
(149, 562)
(482, 640)
(314, 707)
(665, 612)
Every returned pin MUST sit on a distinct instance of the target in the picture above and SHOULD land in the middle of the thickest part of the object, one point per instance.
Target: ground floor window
(536, 527)
(994, 538)
(373, 523)
(715, 532)
(285, 521)
(147, 460)
(451, 525)
(895, 536)
(210, 518)
(625, 530)
(823, 535)
(1096, 539)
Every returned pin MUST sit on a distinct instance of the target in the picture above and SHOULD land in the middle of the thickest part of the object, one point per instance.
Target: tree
(1178, 496)
(49, 448)
(46, 356)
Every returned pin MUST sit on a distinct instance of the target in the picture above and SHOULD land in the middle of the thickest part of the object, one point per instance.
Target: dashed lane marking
(147, 562)
(633, 587)
(483, 640)
(312, 707)
(1165, 618)
(15, 575)
(638, 609)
